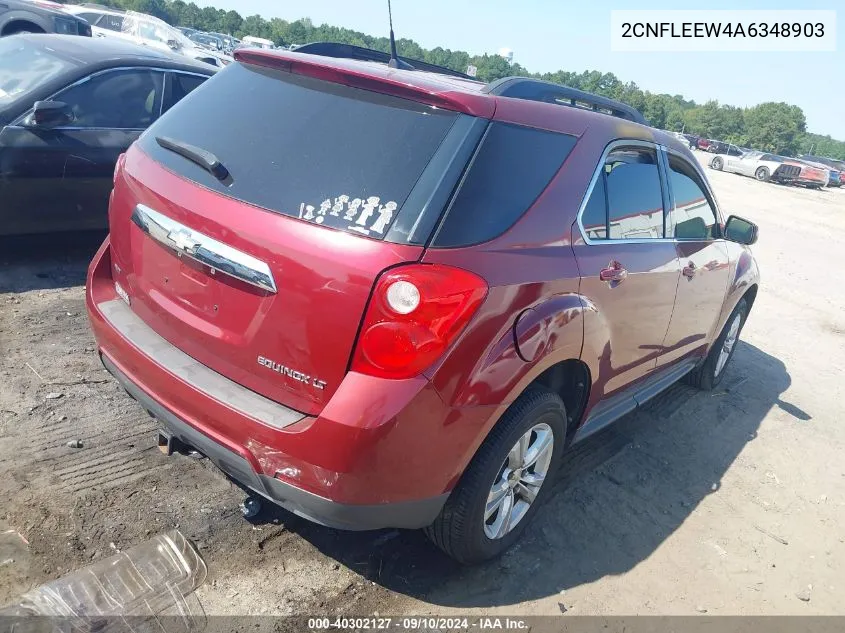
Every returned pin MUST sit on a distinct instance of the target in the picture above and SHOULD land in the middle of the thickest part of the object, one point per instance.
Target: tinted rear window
(513, 166)
(326, 153)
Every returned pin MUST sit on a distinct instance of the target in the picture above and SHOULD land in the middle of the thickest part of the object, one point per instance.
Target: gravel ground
(728, 502)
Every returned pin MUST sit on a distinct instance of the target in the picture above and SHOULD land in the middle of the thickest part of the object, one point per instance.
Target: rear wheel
(710, 373)
(762, 174)
(717, 163)
(509, 475)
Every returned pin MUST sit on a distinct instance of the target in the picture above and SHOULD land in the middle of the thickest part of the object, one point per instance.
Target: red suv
(390, 298)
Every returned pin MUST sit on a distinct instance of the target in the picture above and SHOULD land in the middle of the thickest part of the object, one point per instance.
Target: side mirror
(49, 114)
(740, 230)
(173, 44)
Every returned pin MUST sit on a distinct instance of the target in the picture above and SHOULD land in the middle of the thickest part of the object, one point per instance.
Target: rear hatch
(251, 221)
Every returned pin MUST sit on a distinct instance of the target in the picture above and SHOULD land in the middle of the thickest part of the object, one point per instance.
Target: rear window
(326, 153)
(513, 166)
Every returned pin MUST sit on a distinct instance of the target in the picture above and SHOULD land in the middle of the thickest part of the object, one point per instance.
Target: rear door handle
(689, 270)
(614, 272)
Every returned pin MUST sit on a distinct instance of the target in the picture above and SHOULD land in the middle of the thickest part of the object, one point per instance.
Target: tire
(461, 530)
(762, 174)
(708, 375)
(23, 29)
(717, 163)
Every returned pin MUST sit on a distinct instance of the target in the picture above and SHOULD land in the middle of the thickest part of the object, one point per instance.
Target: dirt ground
(728, 502)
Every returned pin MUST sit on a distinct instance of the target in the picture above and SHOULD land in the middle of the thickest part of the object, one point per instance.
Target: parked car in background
(24, 16)
(813, 175)
(692, 138)
(368, 342)
(229, 42)
(836, 167)
(206, 40)
(187, 31)
(257, 42)
(146, 30)
(69, 106)
(703, 144)
(759, 165)
(682, 138)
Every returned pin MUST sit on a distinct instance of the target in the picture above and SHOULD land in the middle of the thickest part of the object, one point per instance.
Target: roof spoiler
(350, 51)
(549, 92)
(378, 79)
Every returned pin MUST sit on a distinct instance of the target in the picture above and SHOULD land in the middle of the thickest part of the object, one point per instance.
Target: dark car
(22, 16)
(379, 334)
(69, 106)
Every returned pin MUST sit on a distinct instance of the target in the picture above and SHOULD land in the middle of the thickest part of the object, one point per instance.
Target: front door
(59, 179)
(703, 256)
(629, 269)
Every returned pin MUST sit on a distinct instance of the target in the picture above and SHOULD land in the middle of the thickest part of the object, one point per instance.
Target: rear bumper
(413, 514)
(381, 453)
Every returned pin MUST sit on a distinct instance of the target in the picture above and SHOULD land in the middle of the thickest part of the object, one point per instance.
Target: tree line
(773, 127)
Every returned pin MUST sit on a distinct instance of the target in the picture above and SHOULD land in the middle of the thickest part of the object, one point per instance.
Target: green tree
(775, 127)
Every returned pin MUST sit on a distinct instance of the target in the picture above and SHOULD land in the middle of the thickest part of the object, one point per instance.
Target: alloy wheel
(729, 344)
(519, 481)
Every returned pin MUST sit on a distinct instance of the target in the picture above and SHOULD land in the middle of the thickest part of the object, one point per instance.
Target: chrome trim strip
(658, 148)
(203, 249)
(190, 371)
(610, 147)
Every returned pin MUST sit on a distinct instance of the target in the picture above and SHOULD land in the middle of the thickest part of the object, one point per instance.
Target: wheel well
(570, 379)
(750, 295)
(21, 25)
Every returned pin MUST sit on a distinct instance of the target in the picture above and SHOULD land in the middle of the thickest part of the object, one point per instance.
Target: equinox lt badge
(291, 373)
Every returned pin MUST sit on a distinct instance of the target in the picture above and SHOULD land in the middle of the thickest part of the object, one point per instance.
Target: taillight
(415, 314)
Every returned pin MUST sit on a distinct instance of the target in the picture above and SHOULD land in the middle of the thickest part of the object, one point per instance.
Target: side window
(511, 169)
(634, 194)
(127, 99)
(693, 216)
(90, 17)
(112, 22)
(180, 86)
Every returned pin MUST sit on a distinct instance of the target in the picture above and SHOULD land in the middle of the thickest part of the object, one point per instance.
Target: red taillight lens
(415, 314)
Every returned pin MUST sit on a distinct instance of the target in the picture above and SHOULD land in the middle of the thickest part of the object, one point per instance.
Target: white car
(759, 165)
(257, 42)
(683, 139)
(146, 30)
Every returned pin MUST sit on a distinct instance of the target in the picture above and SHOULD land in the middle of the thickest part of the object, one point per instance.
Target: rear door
(629, 269)
(262, 271)
(703, 256)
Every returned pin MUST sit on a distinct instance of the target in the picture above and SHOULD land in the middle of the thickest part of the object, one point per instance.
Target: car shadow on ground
(49, 261)
(619, 495)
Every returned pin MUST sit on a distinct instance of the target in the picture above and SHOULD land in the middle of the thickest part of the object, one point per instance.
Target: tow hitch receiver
(168, 444)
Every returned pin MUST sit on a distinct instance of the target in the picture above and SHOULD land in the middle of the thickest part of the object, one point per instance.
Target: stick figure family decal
(358, 212)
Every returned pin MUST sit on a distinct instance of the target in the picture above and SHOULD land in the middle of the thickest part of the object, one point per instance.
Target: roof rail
(549, 92)
(350, 51)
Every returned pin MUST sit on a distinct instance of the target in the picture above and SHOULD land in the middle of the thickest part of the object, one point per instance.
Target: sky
(549, 35)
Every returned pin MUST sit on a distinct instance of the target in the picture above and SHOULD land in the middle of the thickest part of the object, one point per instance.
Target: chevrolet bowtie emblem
(184, 241)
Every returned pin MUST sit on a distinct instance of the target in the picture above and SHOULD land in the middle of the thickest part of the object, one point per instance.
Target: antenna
(395, 62)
